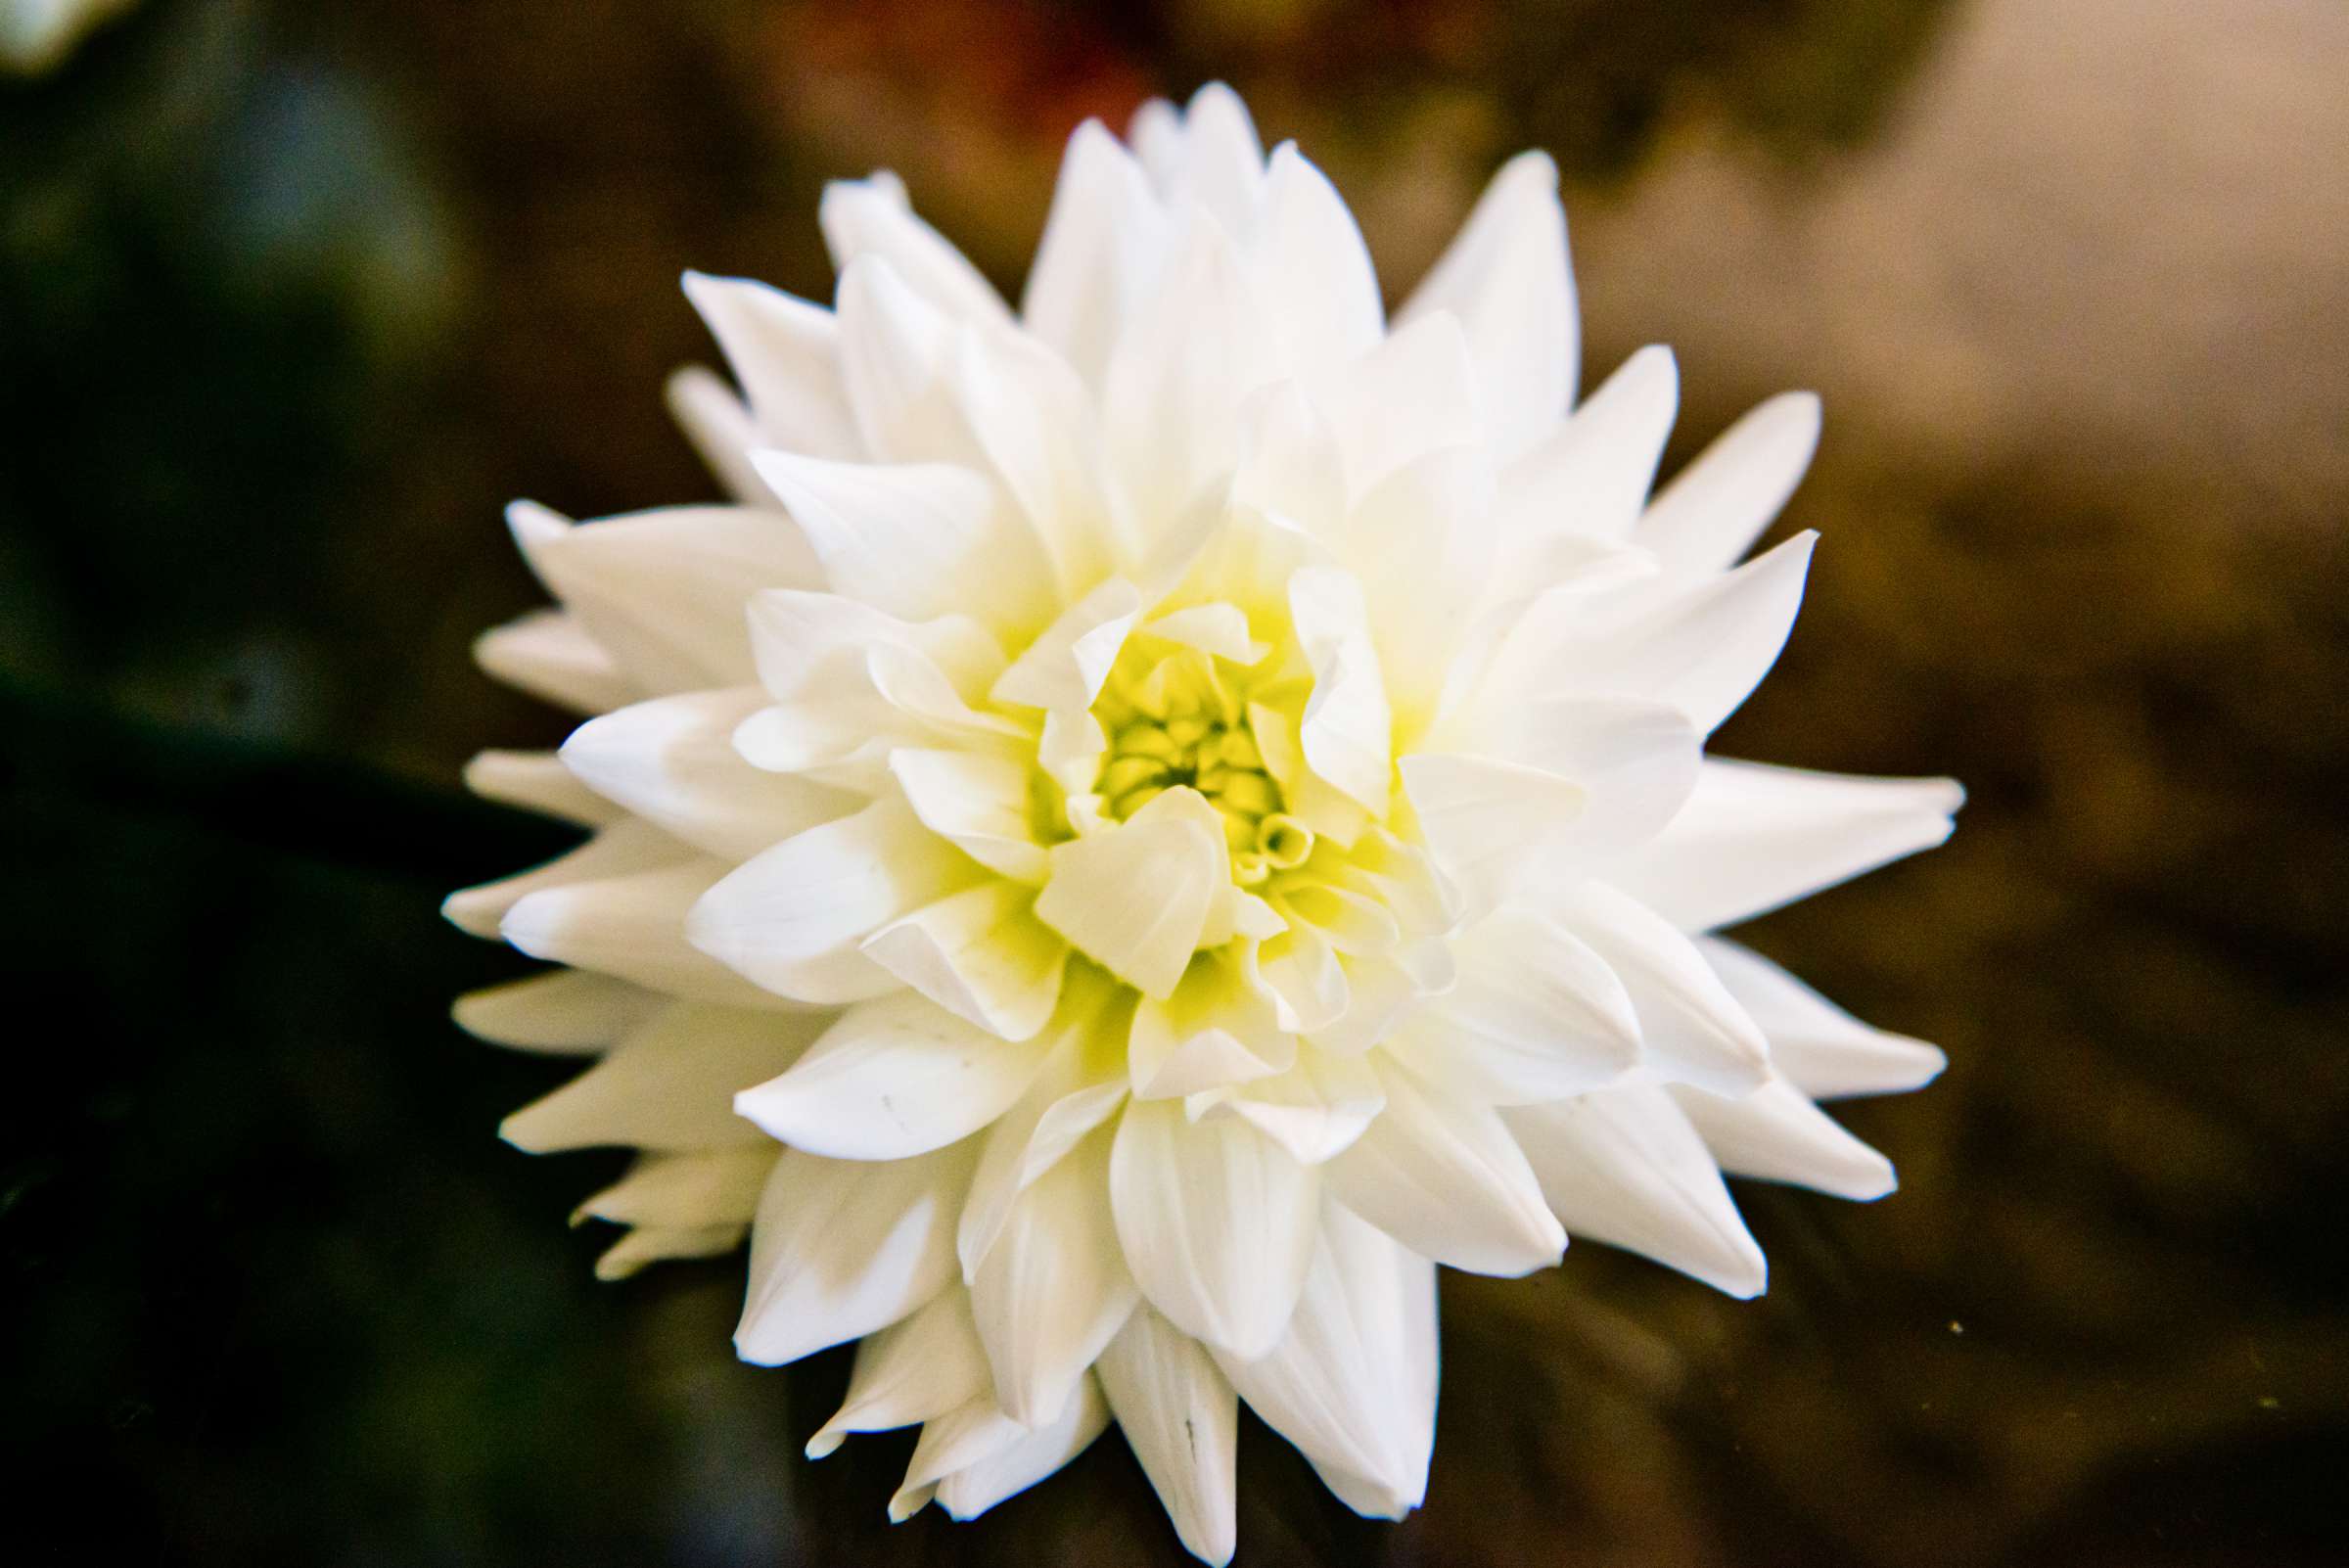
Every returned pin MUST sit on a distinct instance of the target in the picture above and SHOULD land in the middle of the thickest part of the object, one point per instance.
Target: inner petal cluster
(1183, 720)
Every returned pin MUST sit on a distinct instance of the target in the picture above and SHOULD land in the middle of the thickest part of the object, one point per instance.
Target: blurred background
(293, 298)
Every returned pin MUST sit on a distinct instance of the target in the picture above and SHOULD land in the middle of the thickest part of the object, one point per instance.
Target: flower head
(1159, 820)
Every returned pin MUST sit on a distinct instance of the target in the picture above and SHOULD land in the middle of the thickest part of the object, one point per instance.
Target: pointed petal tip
(517, 1130)
(824, 1443)
(474, 911)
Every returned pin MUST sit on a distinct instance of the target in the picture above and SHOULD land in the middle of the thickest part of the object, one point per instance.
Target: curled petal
(1174, 847)
(1317, 274)
(1178, 1412)
(843, 1248)
(1692, 1029)
(633, 927)
(1053, 1288)
(1624, 1167)
(1752, 838)
(980, 803)
(1102, 247)
(1216, 1221)
(669, 1084)
(981, 956)
(791, 919)
(1507, 280)
(871, 219)
(1446, 1180)
(1716, 507)
(696, 1188)
(786, 353)
(1776, 1134)
(915, 1369)
(537, 781)
(1534, 1015)
(564, 1012)
(673, 762)
(1353, 1381)
(892, 1078)
(550, 656)
(1824, 1050)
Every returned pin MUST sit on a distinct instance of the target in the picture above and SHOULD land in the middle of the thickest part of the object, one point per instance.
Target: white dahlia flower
(1159, 819)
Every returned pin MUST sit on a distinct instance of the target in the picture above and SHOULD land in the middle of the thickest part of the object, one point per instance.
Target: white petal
(1417, 391)
(695, 1189)
(790, 919)
(1316, 271)
(1702, 650)
(1347, 731)
(721, 430)
(565, 1012)
(1065, 668)
(1536, 1015)
(1692, 1029)
(669, 1084)
(800, 639)
(979, 954)
(1215, 1031)
(1590, 476)
(913, 539)
(651, 1244)
(966, 1435)
(1178, 383)
(1053, 1287)
(671, 761)
(1156, 136)
(633, 927)
(1565, 785)
(1776, 1134)
(1299, 971)
(870, 217)
(895, 348)
(1220, 630)
(978, 803)
(663, 591)
(1222, 162)
(1353, 1382)
(1506, 278)
(1824, 1050)
(1446, 1180)
(1314, 1110)
(1099, 254)
(549, 654)
(893, 1078)
(1075, 1091)
(1624, 1167)
(1290, 467)
(623, 848)
(976, 1488)
(845, 1246)
(1420, 541)
(1174, 847)
(1752, 838)
(1033, 418)
(1716, 506)
(1482, 816)
(913, 1370)
(537, 781)
(1181, 1418)
(786, 353)
(1216, 1221)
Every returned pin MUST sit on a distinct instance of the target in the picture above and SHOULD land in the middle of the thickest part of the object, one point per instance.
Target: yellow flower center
(1181, 719)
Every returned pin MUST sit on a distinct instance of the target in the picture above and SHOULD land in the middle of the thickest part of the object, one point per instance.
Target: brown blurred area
(293, 298)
